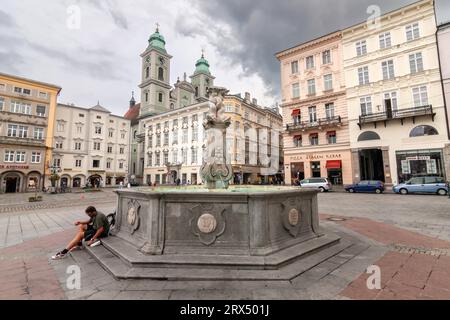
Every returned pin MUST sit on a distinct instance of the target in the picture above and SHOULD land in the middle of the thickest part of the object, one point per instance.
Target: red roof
(133, 112)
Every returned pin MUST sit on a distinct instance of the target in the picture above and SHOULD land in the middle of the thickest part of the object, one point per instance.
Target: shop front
(414, 163)
(336, 166)
(19, 178)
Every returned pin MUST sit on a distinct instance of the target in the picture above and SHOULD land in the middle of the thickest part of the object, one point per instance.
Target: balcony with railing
(320, 124)
(401, 114)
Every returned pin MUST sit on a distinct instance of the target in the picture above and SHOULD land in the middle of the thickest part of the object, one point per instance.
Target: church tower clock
(155, 85)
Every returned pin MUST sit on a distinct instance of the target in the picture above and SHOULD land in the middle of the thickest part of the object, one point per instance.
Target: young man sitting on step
(95, 228)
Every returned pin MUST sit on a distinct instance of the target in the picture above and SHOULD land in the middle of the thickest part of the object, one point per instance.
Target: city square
(179, 169)
(412, 250)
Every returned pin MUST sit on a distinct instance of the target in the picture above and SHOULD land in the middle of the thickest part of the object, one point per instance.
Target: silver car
(323, 184)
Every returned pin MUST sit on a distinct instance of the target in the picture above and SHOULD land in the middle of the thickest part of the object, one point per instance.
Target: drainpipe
(440, 73)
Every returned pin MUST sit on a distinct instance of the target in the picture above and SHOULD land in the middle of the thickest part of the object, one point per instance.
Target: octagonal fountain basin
(252, 233)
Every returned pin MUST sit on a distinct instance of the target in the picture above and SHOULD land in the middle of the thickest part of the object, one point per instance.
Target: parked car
(367, 186)
(433, 185)
(323, 184)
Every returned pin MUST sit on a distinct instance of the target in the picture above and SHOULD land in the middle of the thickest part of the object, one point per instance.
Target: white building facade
(395, 103)
(91, 147)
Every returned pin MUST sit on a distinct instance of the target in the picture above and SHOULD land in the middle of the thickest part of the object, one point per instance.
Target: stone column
(356, 174)
(446, 155)
(387, 166)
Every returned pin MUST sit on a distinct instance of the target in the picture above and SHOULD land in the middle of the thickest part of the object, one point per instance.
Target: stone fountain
(218, 232)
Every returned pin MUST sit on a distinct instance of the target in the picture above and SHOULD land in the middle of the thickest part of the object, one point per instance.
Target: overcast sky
(100, 59)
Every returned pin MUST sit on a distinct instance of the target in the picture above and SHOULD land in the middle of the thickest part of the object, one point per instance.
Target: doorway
(297, 172)
(315, 169)
(11, 184)
(371, 165)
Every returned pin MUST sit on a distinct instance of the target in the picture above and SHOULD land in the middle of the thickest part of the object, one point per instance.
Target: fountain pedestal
(254, 234)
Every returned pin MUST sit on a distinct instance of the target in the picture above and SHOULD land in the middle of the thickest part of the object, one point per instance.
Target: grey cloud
(9, 62)
(112, 7)
(6, 19)
(265, 27)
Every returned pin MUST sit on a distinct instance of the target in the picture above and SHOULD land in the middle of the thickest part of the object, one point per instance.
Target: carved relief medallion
(294, 217)
(133, 217)
(207, 223)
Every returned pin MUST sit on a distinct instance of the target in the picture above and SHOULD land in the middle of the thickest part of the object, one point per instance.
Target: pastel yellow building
(27, 116)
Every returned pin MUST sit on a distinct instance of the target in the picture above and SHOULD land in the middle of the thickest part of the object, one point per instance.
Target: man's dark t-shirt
(100, 221)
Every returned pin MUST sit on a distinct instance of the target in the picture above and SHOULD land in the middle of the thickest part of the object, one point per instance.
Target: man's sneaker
(59, 256)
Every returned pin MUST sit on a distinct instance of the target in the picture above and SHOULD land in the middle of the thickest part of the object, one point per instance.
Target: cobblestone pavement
(426, 214)
(414, 262)
(19, 227)
(19, 202)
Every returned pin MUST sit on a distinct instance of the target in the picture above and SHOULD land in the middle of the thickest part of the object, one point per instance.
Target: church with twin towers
(167, 140)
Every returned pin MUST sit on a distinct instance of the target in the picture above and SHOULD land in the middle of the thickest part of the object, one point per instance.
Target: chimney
(255, 102)
(247, 97)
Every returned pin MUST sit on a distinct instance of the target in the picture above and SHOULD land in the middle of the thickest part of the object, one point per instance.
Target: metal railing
(306, 125)
(397, 114)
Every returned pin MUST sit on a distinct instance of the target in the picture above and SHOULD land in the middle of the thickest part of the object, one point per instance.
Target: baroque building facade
(389, 75)
(91, 147)
(397, 115)
(316, 136)
(27, 114)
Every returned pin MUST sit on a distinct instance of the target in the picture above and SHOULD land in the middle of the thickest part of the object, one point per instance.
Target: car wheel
(442, 192)
(403, 191)
(322, 189)
(378, 191)
(351, 190)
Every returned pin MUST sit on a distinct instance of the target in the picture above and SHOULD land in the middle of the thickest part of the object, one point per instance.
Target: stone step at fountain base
(123, 261)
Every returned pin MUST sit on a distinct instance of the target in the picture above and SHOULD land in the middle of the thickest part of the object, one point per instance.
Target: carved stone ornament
(207, 222)
(133, 217)
(292, 216)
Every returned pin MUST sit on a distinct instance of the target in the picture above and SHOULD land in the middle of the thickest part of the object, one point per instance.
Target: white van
(323, 184)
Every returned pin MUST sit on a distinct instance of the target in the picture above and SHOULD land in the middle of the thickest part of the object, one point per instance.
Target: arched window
(147, 72)
(160, 97)
(135, 134)
(368, 135)
(421, 131)
(172, 106)
(161, 74)
(196, 92)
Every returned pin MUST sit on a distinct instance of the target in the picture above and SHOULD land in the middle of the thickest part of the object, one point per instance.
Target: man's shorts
(90, 233)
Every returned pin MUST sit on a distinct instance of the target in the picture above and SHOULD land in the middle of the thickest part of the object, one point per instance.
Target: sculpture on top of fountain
(216, 170)
(216, 112)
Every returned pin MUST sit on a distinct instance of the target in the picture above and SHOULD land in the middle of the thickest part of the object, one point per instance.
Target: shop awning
(314, 135)
(295, 112)
(334, 164)
(331, 133)
(298, 137)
